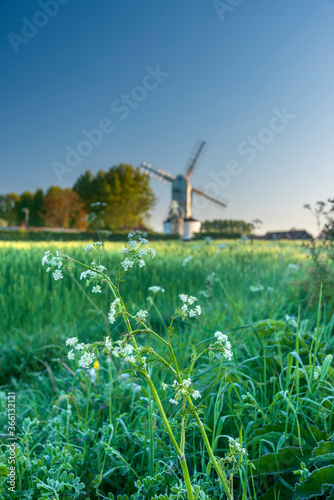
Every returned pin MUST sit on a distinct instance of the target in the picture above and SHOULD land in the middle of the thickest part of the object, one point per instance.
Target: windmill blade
(194, 159)
(159, 174)
(214, 200)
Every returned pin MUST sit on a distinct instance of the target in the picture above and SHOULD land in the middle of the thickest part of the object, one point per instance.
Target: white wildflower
(257, 288)
(143, 241)
(80, 347)
(173, 401)
(196, 395)
(71, 354)
(71, 341)
(108, 343)
(164, 386)
(86, 360)
(156, 289)
(96, 289)
(130, 235)
(57, 275)
(141, 263)
(88, 248)
(187, 382)
(113, 311)
(221, 337)
(45, 258)
(191, 300)
(293, 267)
(186, 260)
(152, 252)
(183, 297)
(141, 315)
(127, 264)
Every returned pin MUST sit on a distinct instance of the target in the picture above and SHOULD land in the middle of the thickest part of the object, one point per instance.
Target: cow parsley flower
(57, 275)
(224, 345)
(141, 315)
(86, 359)
(186, 260)
(96, 289)
(173, 401)
(141, 263)
(71, 354)
(127, 264)
(187, 382)
(196, 395)
(113, 311)
(183, 297)
(236, 446)
(71, 341)
(108, 343)
(80, 347)
(164, 386)
(156, 289)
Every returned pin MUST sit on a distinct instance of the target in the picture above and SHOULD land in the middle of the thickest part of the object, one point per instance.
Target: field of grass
(98, 433)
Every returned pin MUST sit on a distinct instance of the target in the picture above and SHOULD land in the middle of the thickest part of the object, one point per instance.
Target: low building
(295, 234)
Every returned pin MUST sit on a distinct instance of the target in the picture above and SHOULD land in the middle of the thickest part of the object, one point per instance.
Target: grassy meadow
(97, 433)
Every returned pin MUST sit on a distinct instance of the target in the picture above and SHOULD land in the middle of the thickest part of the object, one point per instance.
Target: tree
(34, 203)
(125, 191)
(63, 208)
(8, 210)
(229, 226)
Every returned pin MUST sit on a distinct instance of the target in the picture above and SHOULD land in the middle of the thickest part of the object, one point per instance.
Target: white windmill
(180, 220)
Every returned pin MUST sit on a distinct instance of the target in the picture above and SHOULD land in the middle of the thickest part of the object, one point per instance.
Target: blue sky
(227, 73)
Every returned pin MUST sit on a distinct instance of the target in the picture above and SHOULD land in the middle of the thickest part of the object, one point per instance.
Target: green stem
(178, 450)
(219, 471)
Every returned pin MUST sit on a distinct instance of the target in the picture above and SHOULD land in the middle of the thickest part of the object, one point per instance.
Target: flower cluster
(186, 260)
(94, 246)
(141, 315)
(86, 359)
(184, 312)
(114, 311)
(235, 446)
(156, 289)
(93, 275)
(121, 349)
(58, 261)
(182, 389)
(135, 251)
(223, 345)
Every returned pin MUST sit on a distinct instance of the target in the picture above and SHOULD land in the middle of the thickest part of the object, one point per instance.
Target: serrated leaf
(316, 483)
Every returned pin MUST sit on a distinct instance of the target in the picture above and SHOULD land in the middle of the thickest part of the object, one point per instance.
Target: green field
(99, 434)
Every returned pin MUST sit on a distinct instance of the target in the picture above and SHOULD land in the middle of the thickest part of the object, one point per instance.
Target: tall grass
(276, 394)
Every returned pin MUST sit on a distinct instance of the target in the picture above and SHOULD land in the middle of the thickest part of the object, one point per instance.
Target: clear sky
(255, 79)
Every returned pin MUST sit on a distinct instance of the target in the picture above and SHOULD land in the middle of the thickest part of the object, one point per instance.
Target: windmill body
(179, 220)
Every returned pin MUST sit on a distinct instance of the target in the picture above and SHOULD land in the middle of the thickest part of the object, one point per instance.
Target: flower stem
(178, 450)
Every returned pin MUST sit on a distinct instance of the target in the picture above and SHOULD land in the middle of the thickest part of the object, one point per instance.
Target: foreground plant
(140, 356)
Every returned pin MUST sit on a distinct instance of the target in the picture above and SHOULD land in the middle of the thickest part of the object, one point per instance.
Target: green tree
(124, 189)
(8, 210)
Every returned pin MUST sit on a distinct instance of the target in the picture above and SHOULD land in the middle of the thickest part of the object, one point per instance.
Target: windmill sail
(180, 220)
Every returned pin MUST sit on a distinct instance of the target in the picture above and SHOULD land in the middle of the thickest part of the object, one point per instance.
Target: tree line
(123, 191)
(229, 226)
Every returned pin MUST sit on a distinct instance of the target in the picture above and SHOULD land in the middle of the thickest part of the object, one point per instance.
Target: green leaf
(316, 483)
(287, 459)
